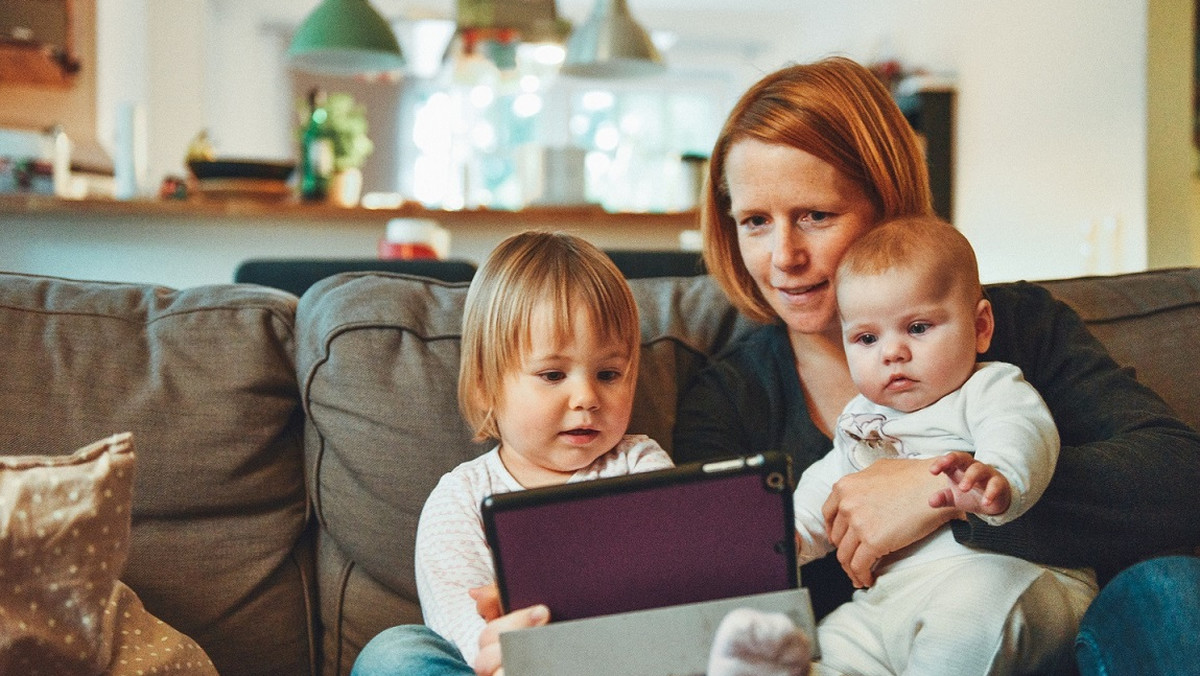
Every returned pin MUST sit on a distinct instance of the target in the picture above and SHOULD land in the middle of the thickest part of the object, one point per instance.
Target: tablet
(697, 532)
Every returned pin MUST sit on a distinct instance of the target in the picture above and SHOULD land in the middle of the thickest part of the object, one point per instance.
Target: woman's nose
(788, 250)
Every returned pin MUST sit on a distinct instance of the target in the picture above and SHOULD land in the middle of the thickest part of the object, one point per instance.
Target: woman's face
(795, 216)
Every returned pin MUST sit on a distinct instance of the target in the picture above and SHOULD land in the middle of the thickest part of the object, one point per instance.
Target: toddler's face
(909, 344)
(568, 402)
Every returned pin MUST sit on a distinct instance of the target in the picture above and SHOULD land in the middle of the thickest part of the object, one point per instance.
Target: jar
(414, 238)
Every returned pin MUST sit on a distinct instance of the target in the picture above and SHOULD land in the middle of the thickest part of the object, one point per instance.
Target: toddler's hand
(487, 601)
(975, 486)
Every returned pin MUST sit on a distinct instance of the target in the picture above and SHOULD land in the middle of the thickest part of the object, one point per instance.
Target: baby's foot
(753, 643)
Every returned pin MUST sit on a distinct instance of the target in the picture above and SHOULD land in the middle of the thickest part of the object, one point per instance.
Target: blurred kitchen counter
(181, 243)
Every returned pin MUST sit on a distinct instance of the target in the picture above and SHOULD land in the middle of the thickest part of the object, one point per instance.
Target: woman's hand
(883, 508)
(487, 602)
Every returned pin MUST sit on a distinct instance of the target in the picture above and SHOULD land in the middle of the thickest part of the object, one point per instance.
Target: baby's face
(909, 343)
(567, 403)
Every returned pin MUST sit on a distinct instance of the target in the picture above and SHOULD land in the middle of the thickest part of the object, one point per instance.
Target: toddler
(550, 352)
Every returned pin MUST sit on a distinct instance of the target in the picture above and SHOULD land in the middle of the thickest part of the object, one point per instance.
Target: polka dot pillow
(64, 537)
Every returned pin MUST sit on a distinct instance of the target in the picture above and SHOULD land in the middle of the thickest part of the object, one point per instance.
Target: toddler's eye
(553, 376)
(609, 375)
(917, 328)
(866, 339)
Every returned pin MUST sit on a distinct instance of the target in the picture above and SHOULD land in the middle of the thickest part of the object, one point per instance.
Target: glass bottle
(316, 150)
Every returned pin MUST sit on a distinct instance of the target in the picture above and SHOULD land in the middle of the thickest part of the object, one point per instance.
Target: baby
(914, 318)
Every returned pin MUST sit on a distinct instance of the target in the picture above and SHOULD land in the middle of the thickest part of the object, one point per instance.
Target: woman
(811, 157)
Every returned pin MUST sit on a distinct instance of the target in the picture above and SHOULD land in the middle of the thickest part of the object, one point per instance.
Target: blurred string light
(527, 104)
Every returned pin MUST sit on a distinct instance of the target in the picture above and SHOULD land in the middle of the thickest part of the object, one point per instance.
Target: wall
(1072, 156)
(1051, 109)
(1054, 124)
(181, 245)
(1172, 235)
(1074, 151)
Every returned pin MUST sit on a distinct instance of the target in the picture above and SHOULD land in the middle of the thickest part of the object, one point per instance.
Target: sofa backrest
(204, 379)
(377, 363)
(1149, 321)
(378, 369)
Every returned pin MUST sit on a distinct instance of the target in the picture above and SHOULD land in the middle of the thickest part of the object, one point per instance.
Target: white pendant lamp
(611, 44)
(345, 37)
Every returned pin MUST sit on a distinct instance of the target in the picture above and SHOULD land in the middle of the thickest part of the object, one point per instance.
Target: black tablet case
(697, 532)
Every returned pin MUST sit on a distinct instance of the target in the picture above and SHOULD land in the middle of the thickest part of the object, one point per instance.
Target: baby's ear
(985, 325)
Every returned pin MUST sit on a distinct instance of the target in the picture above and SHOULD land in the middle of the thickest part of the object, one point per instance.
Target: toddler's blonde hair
(524, 273)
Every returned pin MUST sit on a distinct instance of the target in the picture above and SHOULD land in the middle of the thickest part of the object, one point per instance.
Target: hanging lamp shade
(345, 37)
(611, 44)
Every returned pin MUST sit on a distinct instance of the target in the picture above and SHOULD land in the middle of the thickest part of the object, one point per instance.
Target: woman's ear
(985, 324)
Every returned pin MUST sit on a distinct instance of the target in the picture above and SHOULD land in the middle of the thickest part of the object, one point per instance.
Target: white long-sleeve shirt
(996, 415)
(452, 555)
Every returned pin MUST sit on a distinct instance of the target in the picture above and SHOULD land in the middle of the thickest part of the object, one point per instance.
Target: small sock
(753, 643)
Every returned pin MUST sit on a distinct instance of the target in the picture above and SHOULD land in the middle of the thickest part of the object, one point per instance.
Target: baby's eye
(867, 339)
(552, 376)
(917, 328)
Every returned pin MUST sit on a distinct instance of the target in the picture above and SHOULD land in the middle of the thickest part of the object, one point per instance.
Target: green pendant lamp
(345, 37)
(611, 44)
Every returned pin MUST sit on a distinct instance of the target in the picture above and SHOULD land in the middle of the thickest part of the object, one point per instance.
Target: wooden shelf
(291, 210)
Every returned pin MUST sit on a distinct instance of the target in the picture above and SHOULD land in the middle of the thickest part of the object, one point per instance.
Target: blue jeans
(410, 649)
(1145, 621)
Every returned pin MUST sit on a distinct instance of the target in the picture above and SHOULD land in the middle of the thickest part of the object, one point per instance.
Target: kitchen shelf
(290, 210)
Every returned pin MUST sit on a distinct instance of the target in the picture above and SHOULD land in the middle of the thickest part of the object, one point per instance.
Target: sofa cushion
(1148, 321)
(378, 367)
(205, 380)
(65, 520)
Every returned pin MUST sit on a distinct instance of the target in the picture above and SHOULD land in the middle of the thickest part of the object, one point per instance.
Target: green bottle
(316, 150)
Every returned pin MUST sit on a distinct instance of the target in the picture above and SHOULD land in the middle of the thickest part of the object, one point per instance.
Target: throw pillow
(64, 538)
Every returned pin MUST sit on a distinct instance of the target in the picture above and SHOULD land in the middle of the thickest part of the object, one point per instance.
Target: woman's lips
(795, 291)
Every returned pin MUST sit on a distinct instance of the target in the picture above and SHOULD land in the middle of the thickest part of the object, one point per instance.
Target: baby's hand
(975, 486)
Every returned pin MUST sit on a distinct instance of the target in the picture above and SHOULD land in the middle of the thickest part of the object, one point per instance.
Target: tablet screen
(697, 532)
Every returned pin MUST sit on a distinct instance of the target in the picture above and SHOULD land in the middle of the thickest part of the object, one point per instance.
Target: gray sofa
(285, 446)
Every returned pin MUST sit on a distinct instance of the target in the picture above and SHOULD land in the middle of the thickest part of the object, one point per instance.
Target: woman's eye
(753, 222)
(815, 220)
(918, 328)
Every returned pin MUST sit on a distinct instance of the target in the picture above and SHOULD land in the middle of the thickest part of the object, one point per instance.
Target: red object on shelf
(389, 250)
(413, 238)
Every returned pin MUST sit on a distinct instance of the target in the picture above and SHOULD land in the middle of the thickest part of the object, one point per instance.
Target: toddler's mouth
(582, 433)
